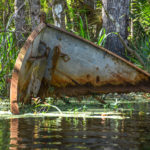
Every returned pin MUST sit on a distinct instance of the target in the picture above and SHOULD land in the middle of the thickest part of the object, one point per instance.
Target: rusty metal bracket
(65, 57)
(45, 55)
(43, 52)
(57, 54)
(55, 57)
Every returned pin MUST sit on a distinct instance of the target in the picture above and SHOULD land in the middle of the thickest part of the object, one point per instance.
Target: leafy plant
(85, 34)
(141, 17)
(142, 47)
(102, 37)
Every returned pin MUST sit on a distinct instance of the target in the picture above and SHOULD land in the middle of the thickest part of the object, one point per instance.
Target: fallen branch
(131, 51)
(10, 20)
(54, 107)
(46, 104)
(9, 31)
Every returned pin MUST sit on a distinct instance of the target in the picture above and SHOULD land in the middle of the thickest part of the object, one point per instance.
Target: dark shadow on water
(74, 134)
(47, 133)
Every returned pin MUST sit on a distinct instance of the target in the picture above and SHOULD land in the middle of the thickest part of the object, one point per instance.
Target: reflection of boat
(14, 130)
(53, 61)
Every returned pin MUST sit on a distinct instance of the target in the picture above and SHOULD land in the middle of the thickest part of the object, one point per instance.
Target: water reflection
(13, 134)
(75, 134)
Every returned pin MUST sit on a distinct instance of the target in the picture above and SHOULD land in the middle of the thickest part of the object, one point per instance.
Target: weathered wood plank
(32, 73)
(15, 74)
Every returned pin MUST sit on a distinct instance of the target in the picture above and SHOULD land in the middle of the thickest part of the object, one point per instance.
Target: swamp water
(126, 127)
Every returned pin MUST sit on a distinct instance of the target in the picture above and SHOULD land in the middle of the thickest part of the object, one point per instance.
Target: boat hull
(57, 63)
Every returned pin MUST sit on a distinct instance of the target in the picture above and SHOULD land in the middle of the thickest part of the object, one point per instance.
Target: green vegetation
(140, 41)
(8, 55)
(125, 104)
(82, 21)
(117, 107)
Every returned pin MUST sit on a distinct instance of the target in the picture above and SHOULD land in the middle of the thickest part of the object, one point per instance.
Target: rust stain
(89, 89)
(55, 80)
(65, 57)
(101, 48)
(88, 76)
(15, 75)
(120, 82)
(108, 88)
(45, 54)
(13, 103)
(75, 85)
(55, 58)
(97, 79)
(61, 79)
(97, 68)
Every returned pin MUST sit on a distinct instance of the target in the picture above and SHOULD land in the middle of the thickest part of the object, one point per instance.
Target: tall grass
(102, 37)
(141, 17)
(140, 41)
(8, 56)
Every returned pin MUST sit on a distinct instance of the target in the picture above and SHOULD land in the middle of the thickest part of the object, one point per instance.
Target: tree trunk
(119, 10)
(35, 7)
(19, 21)
(90, 3)
(131, 24)
(58, 7)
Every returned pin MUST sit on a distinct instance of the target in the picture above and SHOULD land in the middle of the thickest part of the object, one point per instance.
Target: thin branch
(15, 13)
(10, 20)
(46, 104)
(7, 31)
(5, 64)
(131, 51)
(25, 31)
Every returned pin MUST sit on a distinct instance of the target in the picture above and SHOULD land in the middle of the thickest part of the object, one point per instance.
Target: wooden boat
(56, 62)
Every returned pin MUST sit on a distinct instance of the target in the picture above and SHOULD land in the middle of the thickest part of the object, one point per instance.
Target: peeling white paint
(58, 10)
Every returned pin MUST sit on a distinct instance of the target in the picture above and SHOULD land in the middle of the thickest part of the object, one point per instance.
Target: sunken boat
(56, 62)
